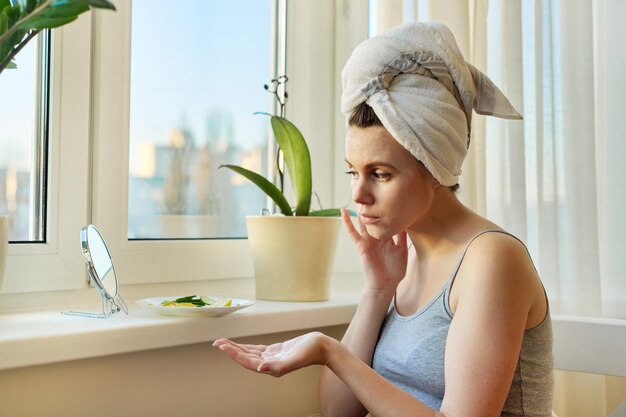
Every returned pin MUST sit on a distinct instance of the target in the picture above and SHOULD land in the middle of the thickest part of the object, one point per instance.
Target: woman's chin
(378, 232)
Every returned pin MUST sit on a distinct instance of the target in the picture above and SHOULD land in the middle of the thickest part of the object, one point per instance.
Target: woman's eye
(381, 175)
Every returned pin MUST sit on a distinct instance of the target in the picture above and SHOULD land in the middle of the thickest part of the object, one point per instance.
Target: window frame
(57, 264)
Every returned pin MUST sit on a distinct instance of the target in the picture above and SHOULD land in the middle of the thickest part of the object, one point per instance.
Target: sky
(186, 63)
(16, 109)
(207, 55)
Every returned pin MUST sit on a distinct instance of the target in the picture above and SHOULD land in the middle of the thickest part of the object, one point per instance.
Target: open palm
(280, 358)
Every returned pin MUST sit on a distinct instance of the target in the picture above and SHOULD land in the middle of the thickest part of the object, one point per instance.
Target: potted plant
(293, 251)
(21, 21)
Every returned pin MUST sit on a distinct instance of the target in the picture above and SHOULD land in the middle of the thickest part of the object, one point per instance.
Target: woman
(453, 319)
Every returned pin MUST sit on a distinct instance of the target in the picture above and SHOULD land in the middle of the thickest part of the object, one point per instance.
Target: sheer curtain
(555, 179)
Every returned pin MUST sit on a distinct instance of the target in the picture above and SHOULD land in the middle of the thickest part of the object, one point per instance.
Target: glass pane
(197, 77)
(20, 195)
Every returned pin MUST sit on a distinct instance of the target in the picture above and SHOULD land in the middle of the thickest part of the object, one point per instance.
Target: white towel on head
(415, 79)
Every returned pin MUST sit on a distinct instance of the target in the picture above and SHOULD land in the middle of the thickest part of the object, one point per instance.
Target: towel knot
(417, 82)
(422, 63)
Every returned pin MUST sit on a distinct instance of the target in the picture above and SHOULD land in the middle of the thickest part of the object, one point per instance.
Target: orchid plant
(297, 159)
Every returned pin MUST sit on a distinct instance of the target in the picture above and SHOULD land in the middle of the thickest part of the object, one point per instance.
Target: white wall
(193, 380)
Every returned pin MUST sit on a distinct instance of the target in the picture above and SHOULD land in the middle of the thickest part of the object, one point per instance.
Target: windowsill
(34, 332)
(31, 336)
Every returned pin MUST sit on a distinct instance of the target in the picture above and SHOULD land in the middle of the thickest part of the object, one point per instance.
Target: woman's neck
(445, 224)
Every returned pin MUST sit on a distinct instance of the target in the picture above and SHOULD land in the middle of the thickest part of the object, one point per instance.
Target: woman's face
(392, 189)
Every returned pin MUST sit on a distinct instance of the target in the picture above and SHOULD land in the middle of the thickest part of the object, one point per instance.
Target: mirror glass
(101, 273)
(97, 256)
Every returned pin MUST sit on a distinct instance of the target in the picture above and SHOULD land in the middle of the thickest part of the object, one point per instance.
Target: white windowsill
(31, 336)
(34, 332)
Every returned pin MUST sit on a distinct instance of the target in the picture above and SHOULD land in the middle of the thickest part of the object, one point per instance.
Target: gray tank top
(410, 354)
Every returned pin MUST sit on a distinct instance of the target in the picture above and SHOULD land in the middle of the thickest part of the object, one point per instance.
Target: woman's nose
(361, 193)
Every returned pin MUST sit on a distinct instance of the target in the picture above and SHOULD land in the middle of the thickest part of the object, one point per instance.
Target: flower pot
(292, 256)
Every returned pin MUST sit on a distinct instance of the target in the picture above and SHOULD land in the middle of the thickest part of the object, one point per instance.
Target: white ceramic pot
(4, 245)
(292, 256)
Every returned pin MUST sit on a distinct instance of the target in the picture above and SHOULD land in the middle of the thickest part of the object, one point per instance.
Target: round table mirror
(98, 258)
(101, 273)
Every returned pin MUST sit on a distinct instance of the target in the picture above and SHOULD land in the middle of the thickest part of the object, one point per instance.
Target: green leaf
(3, 23)
(30, 5)
(12, 65)
(4, 3)
(325, 213)
(64, 11)
(6, 46)
(100, 4)
(334, 212)
(13, 15)
(8, 17)
(298, 161)
(265, 185)
(48, 22)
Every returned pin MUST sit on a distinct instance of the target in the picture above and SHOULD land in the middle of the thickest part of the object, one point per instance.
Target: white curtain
(555, 179)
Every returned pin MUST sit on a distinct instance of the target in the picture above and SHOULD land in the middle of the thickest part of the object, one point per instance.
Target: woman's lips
(369, 219)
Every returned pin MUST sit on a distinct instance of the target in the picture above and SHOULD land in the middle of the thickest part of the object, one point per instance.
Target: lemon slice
(223, 302)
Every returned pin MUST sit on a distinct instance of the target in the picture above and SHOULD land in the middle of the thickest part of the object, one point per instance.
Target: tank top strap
(448, 286)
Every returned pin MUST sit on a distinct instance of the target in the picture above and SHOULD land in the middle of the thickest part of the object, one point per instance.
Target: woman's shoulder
(498, 265)
(495, 251)
(494, 237)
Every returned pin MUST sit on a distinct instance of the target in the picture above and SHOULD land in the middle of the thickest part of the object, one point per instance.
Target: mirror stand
(109, 307)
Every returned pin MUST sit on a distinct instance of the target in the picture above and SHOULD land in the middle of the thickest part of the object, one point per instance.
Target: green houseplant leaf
(42, 22)
(57, 15)
(21, 21)
(333, 212)
(268, 188)
(99, 4)
(297, 160)
(4, 3)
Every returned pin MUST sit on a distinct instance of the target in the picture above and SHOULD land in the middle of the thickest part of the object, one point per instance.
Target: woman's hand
(384, 261)
(280, 358)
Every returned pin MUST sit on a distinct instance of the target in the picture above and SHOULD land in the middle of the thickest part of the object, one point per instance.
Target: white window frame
(57, 264)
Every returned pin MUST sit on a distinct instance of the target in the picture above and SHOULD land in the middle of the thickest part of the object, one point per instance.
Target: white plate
(154, 304)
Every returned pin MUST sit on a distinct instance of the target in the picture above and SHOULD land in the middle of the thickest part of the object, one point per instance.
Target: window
(95, 144)
(194, 89)
(311, 88)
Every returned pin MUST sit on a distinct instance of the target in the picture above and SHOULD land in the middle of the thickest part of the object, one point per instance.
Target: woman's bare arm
(496, 292)
(384, 265)
(335, 398)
